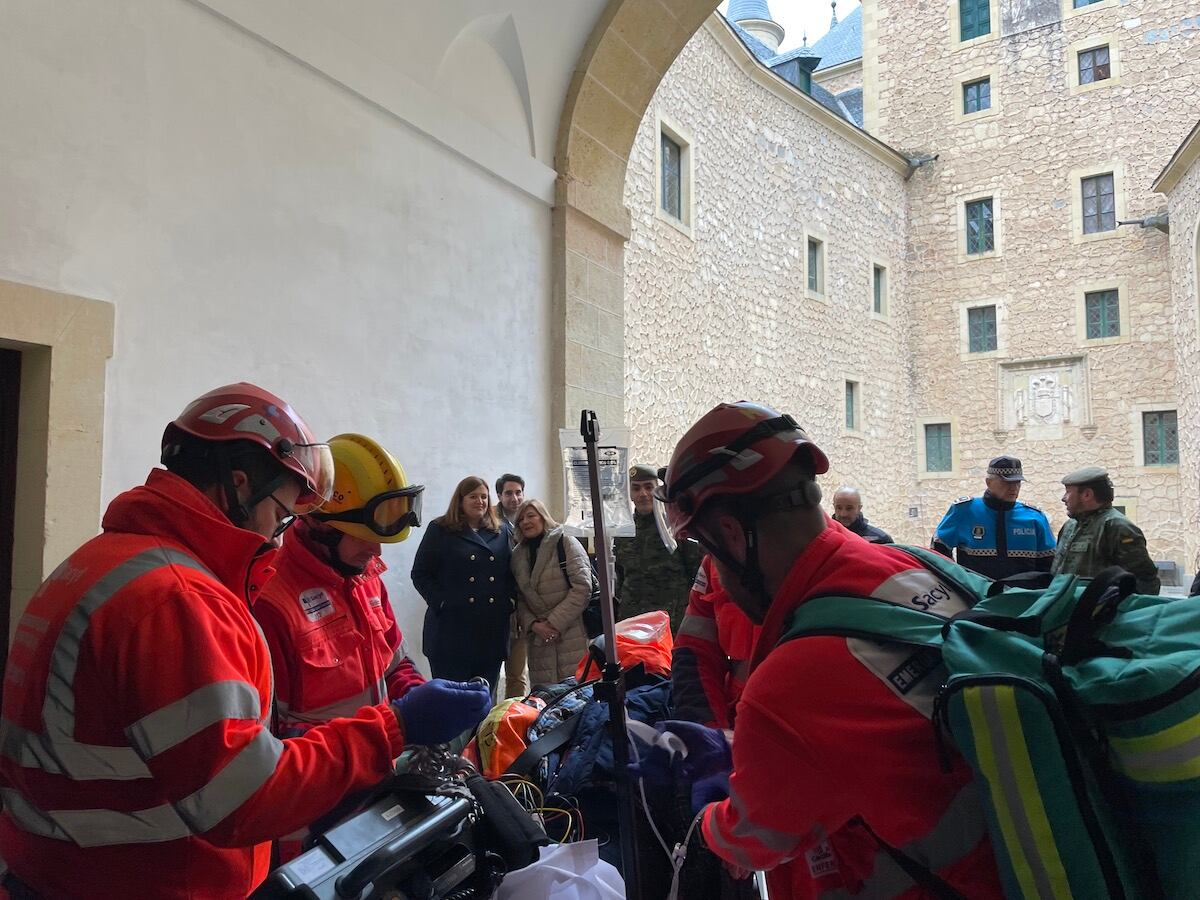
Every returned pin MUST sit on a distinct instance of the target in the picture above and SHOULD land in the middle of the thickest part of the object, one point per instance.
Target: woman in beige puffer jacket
(551, 615)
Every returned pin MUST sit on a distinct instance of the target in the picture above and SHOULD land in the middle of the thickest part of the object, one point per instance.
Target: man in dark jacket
(649, 576)
(847, 509)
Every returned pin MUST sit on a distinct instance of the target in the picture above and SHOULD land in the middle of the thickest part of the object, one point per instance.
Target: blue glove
(711, 789)
(439, 710)
(683, 751)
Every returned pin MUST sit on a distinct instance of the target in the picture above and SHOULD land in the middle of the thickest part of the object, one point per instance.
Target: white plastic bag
(565, 872)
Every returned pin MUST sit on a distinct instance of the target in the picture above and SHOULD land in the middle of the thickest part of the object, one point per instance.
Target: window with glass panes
(977, 95)
(672, 177)
(816, 266)
(1099, 203)
(1094, 65)
(938, 452)
(879, 288)
(1080, 4)
(852, 405)
(974, 19)
(1160, 438)
(980, 234)
(981, 329)
(1103, 312)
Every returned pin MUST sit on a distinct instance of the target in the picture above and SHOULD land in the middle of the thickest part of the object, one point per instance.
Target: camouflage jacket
(649, 576)
(1100, 538)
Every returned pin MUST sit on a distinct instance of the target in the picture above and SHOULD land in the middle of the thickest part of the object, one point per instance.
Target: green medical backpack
(1078, 707)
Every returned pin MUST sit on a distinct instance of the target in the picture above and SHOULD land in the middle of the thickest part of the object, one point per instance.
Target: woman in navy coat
(463, 571)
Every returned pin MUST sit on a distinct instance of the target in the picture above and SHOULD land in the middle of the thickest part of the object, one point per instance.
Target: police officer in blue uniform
(997, 535)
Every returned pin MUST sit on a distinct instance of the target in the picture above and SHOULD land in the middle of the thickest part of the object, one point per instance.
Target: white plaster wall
(723, 314)
(250, 219)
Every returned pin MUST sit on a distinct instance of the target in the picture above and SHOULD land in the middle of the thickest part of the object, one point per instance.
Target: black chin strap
(805, 496)
(236, 511)
(330, 538)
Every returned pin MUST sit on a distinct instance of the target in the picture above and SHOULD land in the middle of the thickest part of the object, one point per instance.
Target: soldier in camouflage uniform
(649, 576)
(1098, 536)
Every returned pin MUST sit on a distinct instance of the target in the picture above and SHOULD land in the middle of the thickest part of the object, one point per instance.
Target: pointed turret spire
(755, 17)
(833, 24)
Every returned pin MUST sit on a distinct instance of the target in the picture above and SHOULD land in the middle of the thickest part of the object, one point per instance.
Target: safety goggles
(385, 514)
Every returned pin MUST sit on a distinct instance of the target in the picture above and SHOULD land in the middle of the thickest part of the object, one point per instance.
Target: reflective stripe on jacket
(134, 758)
(711, 658)
(825, 742)
(335, 645)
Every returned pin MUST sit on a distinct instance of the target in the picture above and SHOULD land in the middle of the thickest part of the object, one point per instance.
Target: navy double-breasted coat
(466, 580)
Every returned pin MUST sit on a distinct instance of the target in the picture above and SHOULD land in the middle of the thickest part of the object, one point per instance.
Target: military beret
(1085, 475)
(643, 473)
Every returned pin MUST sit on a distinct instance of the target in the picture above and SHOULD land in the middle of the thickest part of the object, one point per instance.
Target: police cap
(1006, 468)
(1085, 475)
(643, 473)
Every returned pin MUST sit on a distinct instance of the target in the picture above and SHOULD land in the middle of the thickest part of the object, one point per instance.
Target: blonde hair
(538, 507)
(454, 520)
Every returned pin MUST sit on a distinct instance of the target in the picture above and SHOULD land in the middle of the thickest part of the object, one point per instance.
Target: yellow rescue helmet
(371, 499)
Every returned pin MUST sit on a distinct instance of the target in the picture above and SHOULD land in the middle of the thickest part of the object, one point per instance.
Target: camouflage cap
(643, 473)
(1085, 475)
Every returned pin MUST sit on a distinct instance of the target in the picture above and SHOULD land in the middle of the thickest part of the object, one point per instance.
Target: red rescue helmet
(246, 412)
(735, 448)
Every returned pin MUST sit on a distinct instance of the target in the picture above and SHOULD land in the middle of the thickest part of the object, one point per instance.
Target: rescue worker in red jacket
(335, 645)
(836, 787)
(136, 756)
(711, 658)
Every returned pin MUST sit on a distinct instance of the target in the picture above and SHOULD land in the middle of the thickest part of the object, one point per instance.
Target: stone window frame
(822, 292)
(961, 202)
(1115, 72)
(859, 431)
(1121, 286)
(1069, 10)
(885, 313)
(1138, 442)
(956, 26)
(964, 329)
(1120, 199)
(962, 79)
(667, 125)
(923, 473)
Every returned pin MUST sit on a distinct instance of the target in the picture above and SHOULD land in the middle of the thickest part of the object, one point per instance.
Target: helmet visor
(316, 463)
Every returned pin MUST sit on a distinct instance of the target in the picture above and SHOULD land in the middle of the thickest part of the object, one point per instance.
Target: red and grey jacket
(135, 757)
(833, 749)
(711, 659)
(335, 645)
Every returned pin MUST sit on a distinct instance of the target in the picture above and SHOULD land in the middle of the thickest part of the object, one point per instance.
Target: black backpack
(592, 621)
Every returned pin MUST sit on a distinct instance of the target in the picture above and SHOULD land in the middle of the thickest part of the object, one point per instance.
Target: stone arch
(629, 51)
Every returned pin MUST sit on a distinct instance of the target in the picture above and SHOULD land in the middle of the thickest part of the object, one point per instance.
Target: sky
(797, 16)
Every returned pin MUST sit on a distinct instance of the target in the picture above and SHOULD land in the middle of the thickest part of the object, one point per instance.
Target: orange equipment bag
(645, 638)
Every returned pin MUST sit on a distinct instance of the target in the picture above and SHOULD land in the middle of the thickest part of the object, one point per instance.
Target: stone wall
(1185, 291)
(1027, 155)
(723, 314)
(842, 81)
